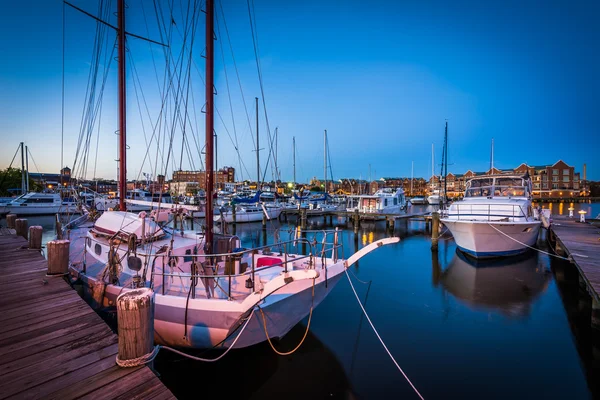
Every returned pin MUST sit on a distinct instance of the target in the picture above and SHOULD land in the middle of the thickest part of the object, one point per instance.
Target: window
(555, 179)
(544, 185)
(566, 178)
(566, 172)
(545, 178)
(555, 186)
(554, 172)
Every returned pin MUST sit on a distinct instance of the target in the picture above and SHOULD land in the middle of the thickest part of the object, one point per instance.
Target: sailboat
(434, 198)
(34, 203)
(209, 291)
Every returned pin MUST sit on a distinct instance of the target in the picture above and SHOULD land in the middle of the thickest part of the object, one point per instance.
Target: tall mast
(492, 158)
(412, 177)
(27, 169)
(122, 101)
(294, 146)
(325, 159)
(209, 128)
(445, 161)
(22, 170)
(432, 167)
(257, 150)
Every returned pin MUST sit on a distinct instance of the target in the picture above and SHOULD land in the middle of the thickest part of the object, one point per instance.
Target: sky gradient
(381, 77)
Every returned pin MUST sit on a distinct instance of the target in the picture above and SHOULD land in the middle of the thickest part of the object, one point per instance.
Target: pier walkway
(581, 242)
(52, 344)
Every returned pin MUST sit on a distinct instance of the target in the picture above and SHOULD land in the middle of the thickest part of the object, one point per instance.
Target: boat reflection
(509, 286)
(256, 372)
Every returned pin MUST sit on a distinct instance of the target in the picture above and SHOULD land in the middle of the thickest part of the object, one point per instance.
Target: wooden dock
(581, 243)
(52, 344)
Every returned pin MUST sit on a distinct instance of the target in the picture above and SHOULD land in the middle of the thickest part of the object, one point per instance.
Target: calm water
(519, 329)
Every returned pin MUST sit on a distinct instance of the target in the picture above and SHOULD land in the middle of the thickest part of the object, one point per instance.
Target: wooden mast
(122, 101)
(209, 124)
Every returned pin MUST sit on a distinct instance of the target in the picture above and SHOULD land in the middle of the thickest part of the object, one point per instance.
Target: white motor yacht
(495, 218)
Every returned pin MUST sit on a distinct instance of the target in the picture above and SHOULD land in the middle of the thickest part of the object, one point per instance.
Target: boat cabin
(498, 186)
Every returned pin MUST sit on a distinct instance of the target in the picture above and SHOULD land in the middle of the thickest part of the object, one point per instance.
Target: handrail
(479, 211)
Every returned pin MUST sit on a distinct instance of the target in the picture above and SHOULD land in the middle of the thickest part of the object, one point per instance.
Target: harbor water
(513, 328)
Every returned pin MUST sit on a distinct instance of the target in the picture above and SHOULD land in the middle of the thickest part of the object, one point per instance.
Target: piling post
(58, 257)
(58, 228)
(135, 319)
(435, 230)
(21, 227)
(356, 221)
(303, 219)
(264, 222)
(35, 237)
(10, 221)
(595, 314)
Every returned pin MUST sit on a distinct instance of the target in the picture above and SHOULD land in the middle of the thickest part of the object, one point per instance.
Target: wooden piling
(21, 227)
(35, 237)
(58, 228)
(435, 230)
(264, 222)
(356, 221)
(58, 257)
(135, 319)
(10, 221)
(595, 314)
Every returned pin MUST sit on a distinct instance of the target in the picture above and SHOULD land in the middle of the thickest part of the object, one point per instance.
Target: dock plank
(581, 241)
(52, 344)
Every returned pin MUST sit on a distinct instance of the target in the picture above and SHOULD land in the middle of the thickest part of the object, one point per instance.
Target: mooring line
(526, 245)
(379, 337)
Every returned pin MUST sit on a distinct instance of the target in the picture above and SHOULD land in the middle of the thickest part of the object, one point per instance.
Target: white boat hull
(482, 239)
(434, 200)
(282, 309)
(248, 216)
(33, 210)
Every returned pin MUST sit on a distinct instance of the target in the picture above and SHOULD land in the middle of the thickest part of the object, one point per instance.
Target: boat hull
(484, 239)
(32, 210)
(209, 324)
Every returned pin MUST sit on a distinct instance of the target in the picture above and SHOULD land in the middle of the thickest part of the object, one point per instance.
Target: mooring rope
(379, 337)
(146, 358)
(531, 247)
(305, 332)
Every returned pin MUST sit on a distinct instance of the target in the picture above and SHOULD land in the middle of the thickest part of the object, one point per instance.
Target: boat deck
(52, 344)
(581, 242)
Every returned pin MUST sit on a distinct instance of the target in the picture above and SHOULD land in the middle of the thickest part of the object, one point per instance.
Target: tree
(10, 182)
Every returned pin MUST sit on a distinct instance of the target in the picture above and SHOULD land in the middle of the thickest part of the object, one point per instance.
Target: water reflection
(257, 372)
(507, 285)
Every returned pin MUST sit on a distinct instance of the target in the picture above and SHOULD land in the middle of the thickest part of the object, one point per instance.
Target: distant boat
(495, 218)
(248, 213)
(384, 201)
(418, 200)
(39, 204)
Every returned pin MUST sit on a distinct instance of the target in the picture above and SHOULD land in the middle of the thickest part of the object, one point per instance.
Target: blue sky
(381, 77)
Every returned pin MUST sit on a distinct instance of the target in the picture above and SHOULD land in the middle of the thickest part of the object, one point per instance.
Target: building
(549, 181)
(222, 176)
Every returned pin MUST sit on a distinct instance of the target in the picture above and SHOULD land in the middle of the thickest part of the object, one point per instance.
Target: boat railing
(229, 259)
(489, 212)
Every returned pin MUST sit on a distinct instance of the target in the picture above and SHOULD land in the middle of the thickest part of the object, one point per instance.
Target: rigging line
(150, 47)
(34, 163)
(260, 80)
(187, 96)
(226, 80)
(97, 141)
(90, 89)
(62, 125)
(236, 68)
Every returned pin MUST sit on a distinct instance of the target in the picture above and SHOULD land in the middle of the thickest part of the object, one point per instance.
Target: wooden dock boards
(52, 344)
(581, 242)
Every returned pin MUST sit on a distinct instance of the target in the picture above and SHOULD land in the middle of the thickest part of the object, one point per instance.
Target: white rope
(222, 355)
(135, 362)
(541, 251)
(146, 358)
(379, 337)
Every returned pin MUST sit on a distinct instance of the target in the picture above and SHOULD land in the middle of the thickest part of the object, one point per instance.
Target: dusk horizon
(382, 80)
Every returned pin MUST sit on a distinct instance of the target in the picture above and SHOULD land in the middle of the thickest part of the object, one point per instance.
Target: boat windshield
(479, 187)
(509, 187)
